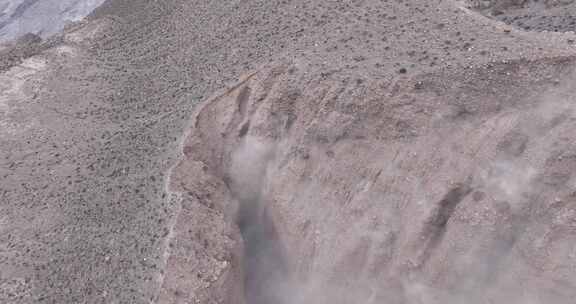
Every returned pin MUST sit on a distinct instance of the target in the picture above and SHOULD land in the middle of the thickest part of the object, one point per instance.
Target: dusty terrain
(290, 152)
(530, 15)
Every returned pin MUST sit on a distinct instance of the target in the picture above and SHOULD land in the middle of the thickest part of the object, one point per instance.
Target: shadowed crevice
(437, 224)
(265, 268)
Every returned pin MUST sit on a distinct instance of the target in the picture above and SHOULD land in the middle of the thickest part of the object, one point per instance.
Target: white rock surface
(41, 17)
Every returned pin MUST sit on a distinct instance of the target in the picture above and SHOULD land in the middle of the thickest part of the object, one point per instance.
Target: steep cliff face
(406, 189)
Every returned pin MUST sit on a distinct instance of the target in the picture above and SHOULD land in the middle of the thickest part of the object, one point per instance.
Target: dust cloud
(510, 180)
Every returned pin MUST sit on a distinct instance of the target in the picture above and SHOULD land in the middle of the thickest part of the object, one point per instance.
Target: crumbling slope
(379, 150)
(435, 187)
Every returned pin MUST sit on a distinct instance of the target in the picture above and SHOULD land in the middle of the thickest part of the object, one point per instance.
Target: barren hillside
(361, 151)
